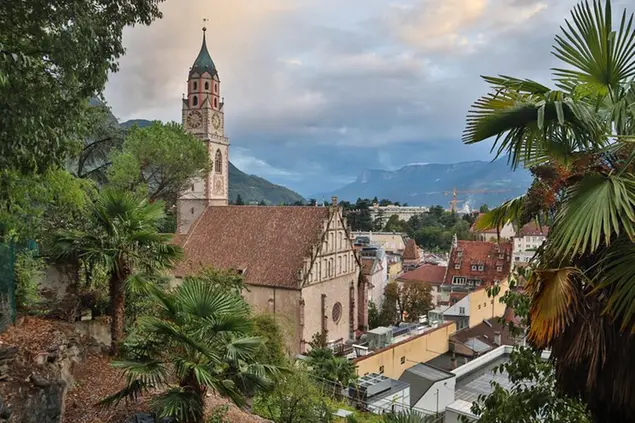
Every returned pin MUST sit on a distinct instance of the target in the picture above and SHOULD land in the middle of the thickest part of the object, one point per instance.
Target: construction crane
(454, 193)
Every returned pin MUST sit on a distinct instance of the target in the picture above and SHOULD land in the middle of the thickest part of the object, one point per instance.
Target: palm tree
(200, 341)
(122, 239)
(410, 417)
(578, 140)
(339, 372)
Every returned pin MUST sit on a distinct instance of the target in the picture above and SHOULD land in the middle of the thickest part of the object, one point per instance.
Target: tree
(410, 416)
(54, 56)
(389, 312)
(273, 350)
(295, 399)
(484, 208)
(201, 341)
(158, 161)
(577, 139)
(415, 300)
(374, 319)
(239, 200)
(123, 239)
(262, 203)
(338, 372)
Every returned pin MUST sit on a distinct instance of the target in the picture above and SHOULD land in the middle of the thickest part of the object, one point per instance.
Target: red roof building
(478, 263)
(428, 273)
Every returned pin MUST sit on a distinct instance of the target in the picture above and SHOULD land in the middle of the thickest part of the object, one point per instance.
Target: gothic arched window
(195, 101)
(207, 85)
(194, 85)
(218, 162)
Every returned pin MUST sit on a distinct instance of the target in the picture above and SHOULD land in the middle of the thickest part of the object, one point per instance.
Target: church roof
(268, 244)
(203, 62)
(412, 251)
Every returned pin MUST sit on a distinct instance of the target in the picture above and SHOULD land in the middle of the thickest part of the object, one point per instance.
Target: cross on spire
(204, 27)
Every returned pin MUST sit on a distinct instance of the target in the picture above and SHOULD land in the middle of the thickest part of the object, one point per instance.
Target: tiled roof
(203, 62)
(478, 253)
(268, 243)
(484, 332)
(412, 251)
(532, 229)
(368, 265)
(429, 273)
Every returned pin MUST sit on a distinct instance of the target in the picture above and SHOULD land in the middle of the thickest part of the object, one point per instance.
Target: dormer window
(457, 266)
(499, 268)
(481, 267)
(501, 256)
(474, 267)
(459, 253)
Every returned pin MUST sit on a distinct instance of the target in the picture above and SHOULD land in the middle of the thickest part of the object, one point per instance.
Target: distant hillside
(425, 184)
(250, 187)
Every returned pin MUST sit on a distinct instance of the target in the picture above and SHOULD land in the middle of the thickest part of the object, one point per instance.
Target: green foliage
(35, 205)
(409, 417)
(29, 271)
(336, 372)
(202, 340)
(225, 280)
(415, 300)
(389, 313)
(295, 399)
(122, 239)
(54, 56)
(319, 340)
(158, 161)
(239, 200)
(273, 349)
(374, 319)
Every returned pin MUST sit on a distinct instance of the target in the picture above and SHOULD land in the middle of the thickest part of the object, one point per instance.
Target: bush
(28, 271)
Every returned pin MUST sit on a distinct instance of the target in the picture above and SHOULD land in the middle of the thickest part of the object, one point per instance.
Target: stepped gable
(533, 229)
(267, 245)
(491, 255)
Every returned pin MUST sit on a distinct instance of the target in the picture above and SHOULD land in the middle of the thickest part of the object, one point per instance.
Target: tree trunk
(117, 303)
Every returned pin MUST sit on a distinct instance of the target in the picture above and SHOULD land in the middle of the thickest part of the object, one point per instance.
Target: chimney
(453, 362)
(334, 201)
(497, 338)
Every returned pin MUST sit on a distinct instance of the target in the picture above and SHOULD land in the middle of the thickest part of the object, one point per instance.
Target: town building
(430, 274)
(375, 269)
(297, 262)
(507, 232)
(430, 389)
(475, 264)
(412, 255)
(527, 241)
(383, 213)
(392, 242)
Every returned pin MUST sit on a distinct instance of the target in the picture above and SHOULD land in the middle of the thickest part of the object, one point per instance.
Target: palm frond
(178, 403)
(131, 392)
(555, 302)
(601, 57)
(617, 274)
(509, 212)
(597, 208)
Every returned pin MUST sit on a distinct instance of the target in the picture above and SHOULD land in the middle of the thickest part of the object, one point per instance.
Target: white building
(402, 212)
(431, 389)
(380, 394)
(392, 242)
(375, 268)
(526, 243)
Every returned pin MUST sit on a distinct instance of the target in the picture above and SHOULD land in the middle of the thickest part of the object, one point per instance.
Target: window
(195, 101)
(459, 253)
(194, 85)
(492, 302)
(381, 370)
(501, 256)
(218, 162)
(337, 312)
(215, 87)
(481, 267)
(457, 266)
(479, 306)
(403, 360)
(458, 280)
(207, 85)
(473, 267)
(485, 304)
(339, 265)
(215, 102)
(330, 267)
(462, 310)
(192, 187)
(192, 210)
(499, 268)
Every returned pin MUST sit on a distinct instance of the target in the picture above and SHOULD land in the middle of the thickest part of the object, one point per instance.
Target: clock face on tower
(216, 121)
(194, 119)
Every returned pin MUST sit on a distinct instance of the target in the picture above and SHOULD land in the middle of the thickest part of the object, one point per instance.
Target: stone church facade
(298, 263)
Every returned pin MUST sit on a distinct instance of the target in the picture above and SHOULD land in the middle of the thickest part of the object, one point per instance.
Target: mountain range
(251, 188)
(427, 184)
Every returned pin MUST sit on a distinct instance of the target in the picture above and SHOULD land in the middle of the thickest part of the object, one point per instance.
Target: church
(298, 263)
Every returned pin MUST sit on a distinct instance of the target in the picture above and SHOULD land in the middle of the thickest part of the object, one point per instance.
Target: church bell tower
(203, 116)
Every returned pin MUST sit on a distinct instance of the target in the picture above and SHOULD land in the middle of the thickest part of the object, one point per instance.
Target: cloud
(318, 90)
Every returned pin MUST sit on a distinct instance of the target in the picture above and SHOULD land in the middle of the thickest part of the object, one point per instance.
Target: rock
(39, 381)
(7, 353)
(41, 358)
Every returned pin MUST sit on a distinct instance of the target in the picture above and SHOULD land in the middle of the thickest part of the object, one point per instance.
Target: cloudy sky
(318, 90)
